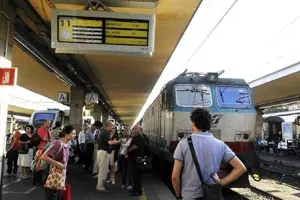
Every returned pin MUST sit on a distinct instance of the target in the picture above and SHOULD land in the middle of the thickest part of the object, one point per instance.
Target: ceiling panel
(128, 80)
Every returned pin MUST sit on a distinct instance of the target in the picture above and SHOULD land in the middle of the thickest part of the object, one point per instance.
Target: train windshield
(39, 118)
(233, 97)
(193, 95)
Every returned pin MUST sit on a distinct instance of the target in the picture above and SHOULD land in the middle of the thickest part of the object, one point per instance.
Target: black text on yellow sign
(126, 41)
(70, 22)
(126, 25)
(126, 33)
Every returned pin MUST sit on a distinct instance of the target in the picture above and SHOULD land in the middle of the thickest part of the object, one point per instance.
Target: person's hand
(216, 178)
(126, 155)
(60, 165)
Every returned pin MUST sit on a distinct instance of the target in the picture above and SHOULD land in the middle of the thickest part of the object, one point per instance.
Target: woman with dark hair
(57, 155)
(25, 152)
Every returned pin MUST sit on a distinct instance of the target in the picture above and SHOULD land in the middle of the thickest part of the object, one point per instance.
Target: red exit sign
(8, 76)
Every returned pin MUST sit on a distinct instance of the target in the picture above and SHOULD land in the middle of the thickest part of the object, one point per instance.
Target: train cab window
(193, 95)
(233, 97)
(39, 118)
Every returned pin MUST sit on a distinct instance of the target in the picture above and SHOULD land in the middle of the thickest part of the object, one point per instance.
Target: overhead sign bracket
(97, 5)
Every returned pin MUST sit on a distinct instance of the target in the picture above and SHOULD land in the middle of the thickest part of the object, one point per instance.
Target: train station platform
(83, 187)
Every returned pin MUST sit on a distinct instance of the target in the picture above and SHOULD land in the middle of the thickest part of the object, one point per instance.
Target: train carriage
(229, 101)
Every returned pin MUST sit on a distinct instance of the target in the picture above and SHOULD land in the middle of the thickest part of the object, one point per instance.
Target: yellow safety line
(143, 197)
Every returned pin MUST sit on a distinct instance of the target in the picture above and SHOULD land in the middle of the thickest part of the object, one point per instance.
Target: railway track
(251, 193)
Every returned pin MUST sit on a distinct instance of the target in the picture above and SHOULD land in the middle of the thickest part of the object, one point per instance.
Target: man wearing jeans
(104, 150)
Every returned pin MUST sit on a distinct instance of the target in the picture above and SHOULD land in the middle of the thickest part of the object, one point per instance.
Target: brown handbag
(57, 177)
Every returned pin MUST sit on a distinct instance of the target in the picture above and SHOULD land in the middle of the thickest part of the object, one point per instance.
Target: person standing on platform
(104, 150)
(126, 177)
(136, 149)
(90, 141)
(98, 125)
(210, 152)
(12, 154)
(25, 152)
(56, 131)
(58, 155)
(82, 144)
(44, 134)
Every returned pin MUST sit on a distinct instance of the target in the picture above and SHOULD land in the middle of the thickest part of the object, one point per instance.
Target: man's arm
(238, 170)
(176, 177)
(132, 148)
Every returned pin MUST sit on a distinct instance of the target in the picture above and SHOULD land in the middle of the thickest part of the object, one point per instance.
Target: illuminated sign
(105, 32)
(8, 76)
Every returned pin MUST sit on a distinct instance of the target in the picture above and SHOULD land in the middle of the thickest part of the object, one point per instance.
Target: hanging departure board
(102, 32)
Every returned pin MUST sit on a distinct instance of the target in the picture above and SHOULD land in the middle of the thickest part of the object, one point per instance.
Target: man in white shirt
(82, 143)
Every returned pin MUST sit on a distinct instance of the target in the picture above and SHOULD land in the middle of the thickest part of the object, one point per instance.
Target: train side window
(168, 100)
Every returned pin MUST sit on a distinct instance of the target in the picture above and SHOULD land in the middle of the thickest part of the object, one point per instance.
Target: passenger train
(230, 103)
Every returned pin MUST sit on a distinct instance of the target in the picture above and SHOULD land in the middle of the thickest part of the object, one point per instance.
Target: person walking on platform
(58, 155)
(25, 152)
(125, 142)
(135, 150)
(43, 133)
(104, 150)
(209, 152)
(12, 154)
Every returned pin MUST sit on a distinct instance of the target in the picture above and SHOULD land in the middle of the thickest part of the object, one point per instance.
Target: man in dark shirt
(104, 150)
(136, 149)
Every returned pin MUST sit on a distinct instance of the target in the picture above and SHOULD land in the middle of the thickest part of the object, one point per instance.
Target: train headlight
(238, 137)
(212, 77)
(242, 135)
(246, 136)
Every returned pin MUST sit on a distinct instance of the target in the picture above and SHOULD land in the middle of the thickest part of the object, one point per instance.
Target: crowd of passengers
(102, 150)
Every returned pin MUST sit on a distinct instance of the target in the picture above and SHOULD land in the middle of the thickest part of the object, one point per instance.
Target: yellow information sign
(126, 41)
(126, 25)
(91, 30)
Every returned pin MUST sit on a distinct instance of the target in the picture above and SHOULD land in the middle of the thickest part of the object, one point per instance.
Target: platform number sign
(63, 97)
(91, 98)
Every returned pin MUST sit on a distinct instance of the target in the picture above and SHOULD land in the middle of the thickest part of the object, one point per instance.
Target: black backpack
(35, 139)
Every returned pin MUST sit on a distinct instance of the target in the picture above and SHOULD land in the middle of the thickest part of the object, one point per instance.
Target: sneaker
(123, 187)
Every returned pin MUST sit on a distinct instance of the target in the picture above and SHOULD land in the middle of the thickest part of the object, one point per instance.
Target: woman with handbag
(25, 152)
(57, 155)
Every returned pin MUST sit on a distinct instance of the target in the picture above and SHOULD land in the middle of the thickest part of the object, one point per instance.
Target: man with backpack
(40, 139)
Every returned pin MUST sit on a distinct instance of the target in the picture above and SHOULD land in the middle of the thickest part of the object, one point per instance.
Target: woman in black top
(25, 152)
